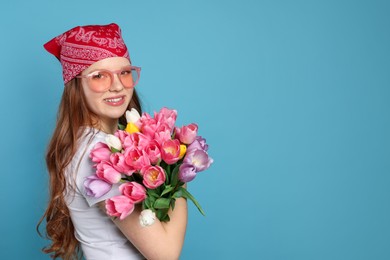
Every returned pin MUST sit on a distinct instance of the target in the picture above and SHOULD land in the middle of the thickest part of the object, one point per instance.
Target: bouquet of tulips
(151, 159)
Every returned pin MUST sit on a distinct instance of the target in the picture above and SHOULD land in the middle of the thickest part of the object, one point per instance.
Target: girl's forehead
(112, 63)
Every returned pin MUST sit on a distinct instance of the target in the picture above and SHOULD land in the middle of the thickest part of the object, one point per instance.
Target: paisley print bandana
(82, 46)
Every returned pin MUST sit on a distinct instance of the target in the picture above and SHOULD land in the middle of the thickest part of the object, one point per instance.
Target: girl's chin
(113, 113)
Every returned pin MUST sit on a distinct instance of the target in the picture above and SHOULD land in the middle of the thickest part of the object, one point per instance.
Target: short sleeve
(83, 167)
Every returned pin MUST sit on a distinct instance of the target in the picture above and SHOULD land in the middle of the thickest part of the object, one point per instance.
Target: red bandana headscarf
(82, 46)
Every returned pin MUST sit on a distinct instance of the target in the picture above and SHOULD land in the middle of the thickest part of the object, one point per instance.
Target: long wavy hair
(73, 113)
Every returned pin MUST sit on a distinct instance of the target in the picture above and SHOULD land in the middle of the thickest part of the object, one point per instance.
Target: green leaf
(175, 175)
(173, 201)
(121, 127)
(153, 193)
(159, 189)
(167, 189)
(152, 200)
(162, 203)
(167, 177)
(163, 164)
(113, 150)
(168, 168)
(162, 215)
(146, 203)
(188, 195)
(177, 194)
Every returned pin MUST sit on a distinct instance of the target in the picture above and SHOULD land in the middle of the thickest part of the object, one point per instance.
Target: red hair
(73, 113)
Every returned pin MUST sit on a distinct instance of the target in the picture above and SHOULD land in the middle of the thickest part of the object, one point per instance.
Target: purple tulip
(96, 187)
(187, 172)
(198, 144)
(199, 159)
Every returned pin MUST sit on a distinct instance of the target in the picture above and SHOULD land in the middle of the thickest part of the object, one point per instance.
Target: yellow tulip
(183, 150)
(131, 128)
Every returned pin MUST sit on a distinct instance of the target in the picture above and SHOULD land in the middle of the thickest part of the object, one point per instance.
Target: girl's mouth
(115, 101)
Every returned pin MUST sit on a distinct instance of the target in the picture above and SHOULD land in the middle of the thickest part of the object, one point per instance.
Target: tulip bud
(113, 142)
(131, 128)
(183, 150)
(132, 116)
(147, 217)
(187, 134)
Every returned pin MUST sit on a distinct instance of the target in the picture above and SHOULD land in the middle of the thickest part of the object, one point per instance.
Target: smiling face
(109, 105)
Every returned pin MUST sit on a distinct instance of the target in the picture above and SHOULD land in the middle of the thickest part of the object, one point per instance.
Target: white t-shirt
(99, 237)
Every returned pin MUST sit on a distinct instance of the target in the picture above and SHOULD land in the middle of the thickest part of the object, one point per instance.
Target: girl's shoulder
(90, 136)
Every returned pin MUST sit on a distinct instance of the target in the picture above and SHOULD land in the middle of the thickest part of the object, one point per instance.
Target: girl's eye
(126, 72)
(98, 75)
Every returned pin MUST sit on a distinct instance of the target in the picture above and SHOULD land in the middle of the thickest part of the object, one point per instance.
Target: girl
(99, 87)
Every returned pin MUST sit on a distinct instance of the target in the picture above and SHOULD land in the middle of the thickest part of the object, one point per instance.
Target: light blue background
(292, 96)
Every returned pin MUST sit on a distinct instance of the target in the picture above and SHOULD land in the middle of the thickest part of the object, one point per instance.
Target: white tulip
(113, 142)
(147, 217)
(132, 116)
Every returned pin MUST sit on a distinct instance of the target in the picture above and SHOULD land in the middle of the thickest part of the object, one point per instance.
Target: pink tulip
(96, 187)
(119, 206)
(137, 159)
(149, 127)
(139, 140)
(199, 159)
(163, 133)
(153, 152)
(170, 151)
(153, 176)
(167, 116)
(187, 134)
(118, 163)
(187, 172)
(144, 116)
(134, 191)
(124, 137)
(106, 171)
(100, 152)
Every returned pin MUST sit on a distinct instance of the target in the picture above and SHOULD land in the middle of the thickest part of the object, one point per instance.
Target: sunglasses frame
(112, 73)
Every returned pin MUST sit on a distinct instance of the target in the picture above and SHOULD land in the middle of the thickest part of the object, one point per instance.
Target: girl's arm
(161, 240)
